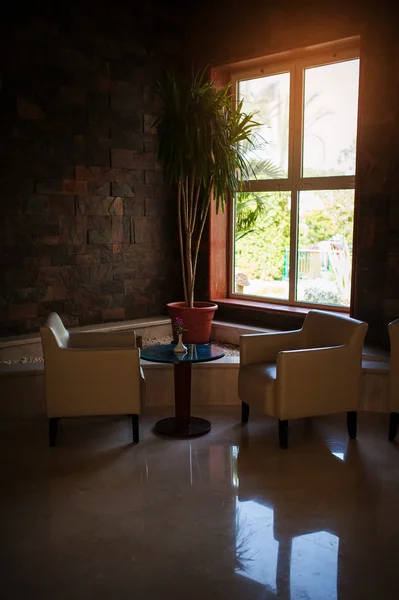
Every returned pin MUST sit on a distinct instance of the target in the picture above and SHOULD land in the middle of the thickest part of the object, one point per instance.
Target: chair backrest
(393, 329)
(322, 328)
(53, 334)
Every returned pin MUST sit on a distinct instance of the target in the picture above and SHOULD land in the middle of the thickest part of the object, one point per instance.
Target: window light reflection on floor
(314, 567)
(256, 548)
(337, 449)
(309, 570)
(234, 471)
(340, 455)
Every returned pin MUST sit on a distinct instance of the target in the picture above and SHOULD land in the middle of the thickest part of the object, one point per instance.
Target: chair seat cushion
(256, 386)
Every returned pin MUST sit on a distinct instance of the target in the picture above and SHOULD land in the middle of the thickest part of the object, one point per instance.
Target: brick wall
(87, 227)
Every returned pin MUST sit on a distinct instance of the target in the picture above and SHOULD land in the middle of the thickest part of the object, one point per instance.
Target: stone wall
(86, 225)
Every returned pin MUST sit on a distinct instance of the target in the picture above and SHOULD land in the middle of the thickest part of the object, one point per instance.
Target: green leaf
(199, 131)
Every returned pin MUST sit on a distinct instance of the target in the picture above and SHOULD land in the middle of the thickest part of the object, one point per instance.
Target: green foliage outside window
(260, 253)
(263, 229)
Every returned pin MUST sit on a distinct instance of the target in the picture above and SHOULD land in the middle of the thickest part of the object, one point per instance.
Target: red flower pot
(197, 321)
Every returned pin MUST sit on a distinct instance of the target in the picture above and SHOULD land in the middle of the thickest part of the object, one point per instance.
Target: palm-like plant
(251, 205)
(201, 140)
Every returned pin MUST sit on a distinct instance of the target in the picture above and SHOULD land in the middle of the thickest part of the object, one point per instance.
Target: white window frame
(294, 183)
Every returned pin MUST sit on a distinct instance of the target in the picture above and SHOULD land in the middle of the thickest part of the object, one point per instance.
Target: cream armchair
(90, 374)
(313, 371)
(393, 329)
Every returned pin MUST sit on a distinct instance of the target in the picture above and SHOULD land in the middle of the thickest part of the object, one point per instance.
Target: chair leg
(53, 430)
(135, 428)
(283, 433)
(351, 421)
(393, 425)
(244, 412)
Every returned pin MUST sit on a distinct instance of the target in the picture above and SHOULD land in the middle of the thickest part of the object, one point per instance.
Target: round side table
(182, 424)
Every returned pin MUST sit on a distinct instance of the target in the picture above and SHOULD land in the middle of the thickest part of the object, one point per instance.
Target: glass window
(324, 254)
(262, 244)
(269, 98)
(293, 226)
(330, 119)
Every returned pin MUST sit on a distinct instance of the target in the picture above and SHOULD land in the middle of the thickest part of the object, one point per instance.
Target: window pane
(262, 240)
(325, 247)
(330, 119)
(268, 97)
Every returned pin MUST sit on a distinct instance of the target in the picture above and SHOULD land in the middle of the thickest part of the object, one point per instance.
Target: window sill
(268, 307)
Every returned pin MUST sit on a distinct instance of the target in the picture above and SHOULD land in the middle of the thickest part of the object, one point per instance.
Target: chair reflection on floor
(313, 503)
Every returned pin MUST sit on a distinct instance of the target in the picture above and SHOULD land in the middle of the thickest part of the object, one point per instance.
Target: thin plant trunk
(181, 241)
(190, 280)
(190, 231)
(187, 234)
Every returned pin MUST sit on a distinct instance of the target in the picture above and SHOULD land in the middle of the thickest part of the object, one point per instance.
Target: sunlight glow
(330, 119)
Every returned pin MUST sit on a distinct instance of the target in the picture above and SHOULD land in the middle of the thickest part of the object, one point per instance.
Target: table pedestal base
(170, 427)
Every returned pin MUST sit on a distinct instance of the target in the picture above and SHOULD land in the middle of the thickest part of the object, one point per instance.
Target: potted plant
(201, 145)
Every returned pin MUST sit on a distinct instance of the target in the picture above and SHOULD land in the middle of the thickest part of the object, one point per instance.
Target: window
(292, 232)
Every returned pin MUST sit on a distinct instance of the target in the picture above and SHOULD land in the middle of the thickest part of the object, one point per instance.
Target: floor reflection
(305, 567)
(256, 548)
(339, 455)
(290, 519)
(313, 572)
(226, 515)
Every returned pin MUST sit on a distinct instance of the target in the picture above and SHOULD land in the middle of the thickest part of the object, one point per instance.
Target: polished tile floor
(228, 515)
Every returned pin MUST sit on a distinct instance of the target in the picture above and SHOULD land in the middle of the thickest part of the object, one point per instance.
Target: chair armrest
(317, 381)
(264, 347)
(311, 359)
(104, 358)
(103, 339)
